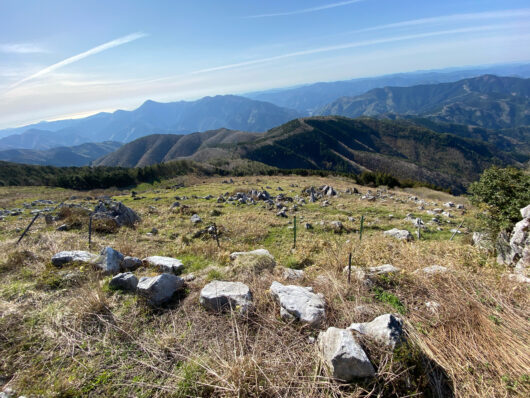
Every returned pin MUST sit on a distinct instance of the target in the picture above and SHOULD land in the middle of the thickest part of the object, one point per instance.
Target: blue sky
(64, 58)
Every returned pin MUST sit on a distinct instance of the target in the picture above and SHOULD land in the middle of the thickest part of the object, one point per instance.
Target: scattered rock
(159, 289)
(195, 219)
(130, 263)
(165, 264)
(401, 234)
(109, 261)
(299, 303)
(432, 270)
(117, 211)
(74, 256)
(386, 329)
(432, 306)
(343, 355)
(124, 281)
(220, 296)
(293, 274)
(256, 260)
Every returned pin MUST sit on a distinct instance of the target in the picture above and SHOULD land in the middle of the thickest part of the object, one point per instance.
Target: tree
(501, 193)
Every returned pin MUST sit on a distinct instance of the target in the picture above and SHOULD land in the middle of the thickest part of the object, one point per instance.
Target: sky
(66, 59)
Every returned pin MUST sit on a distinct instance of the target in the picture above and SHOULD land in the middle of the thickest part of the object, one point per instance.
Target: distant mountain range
(80, 155)
(227, 111)
(401, 148)
(310, 98)
(487, 101)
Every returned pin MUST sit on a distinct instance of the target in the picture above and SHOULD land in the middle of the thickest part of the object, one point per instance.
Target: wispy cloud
(111, 44)
(305, 10)
(517, 13)
(21, 48)
(355, 44)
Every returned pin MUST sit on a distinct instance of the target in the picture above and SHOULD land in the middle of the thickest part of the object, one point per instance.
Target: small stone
(432, 270)
(293, 274)
(195, 219)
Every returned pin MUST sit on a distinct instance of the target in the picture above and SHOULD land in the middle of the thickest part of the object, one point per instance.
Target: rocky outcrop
(515, 252)
(255, 261)
(343, 355)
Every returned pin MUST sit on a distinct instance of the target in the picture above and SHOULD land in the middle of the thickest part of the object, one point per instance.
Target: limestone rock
(299, 303)
(74, 256)
(401, 234)
(130, 263)
(293, 274)
(124, 281)
(165, 264)
(386, 329)
(109, 261)
(159, 289)
(117, 211)
(220, 296)
(343, 355)
(432, 270)
(195, 219)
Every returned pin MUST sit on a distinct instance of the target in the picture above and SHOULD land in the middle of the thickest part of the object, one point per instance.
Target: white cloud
(306, 10)
(21, 48)
(111, 44)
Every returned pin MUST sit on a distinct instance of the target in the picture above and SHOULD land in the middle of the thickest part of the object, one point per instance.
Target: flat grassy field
(65, 333)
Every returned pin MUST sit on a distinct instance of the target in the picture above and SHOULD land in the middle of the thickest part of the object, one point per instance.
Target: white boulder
(343, 355)
(220, 296)
(299, 303)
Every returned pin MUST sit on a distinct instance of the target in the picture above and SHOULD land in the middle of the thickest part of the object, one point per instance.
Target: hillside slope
(487, 101)
(400, 148)
(80, 155)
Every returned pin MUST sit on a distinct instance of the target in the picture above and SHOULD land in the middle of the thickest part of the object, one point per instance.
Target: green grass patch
(389, 298)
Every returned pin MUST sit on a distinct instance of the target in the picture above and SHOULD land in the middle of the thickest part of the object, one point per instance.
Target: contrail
(306, 10)
(78, 57)
(354, 45)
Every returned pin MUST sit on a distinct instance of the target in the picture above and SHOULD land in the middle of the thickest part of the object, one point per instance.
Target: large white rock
(165, 264)
(220, 296)
(109, 260)
(386, 329)
(520, 245)
(159, 289)
(66, 257)
(401, 234)
(299, 303)
(343, 355)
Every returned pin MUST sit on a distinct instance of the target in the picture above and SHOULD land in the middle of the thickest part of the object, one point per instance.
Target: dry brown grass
(80, 339)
